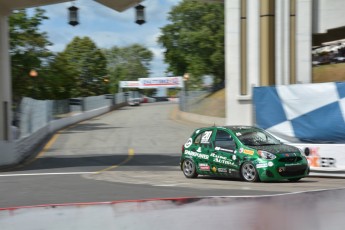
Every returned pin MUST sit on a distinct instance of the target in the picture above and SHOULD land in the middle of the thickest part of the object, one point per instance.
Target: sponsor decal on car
(270, 164)
(188, 143)
(221, 149)
(204, 167)
(246, 151)
(231, 171)
(195, 154)
(221, 159)
(292, 164)
(214, 169)
(249, 152)
(261, 165)
(222, 170)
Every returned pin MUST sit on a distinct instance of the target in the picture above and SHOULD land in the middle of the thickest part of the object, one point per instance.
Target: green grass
(213, 105)
(329, 73)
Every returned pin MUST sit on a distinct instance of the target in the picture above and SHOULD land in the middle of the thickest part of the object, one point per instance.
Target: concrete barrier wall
(15, 152)
(321, 210)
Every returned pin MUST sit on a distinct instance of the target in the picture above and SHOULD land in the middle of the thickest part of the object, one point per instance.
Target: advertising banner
(165, 82)
(313, 113)
(129, 84)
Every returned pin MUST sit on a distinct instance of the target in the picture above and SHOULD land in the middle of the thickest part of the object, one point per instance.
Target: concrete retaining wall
(197, 118)
(14, 152)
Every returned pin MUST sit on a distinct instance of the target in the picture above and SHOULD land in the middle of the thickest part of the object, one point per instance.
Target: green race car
(243, 152)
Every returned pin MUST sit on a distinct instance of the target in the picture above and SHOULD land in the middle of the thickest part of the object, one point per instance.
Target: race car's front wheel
(189, 169)
(249, 172)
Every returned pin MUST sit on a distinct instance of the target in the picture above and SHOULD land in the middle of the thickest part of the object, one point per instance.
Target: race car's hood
(276, 149)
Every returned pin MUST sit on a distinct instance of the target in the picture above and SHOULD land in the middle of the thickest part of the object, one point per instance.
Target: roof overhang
(118, 5)
(21, 4)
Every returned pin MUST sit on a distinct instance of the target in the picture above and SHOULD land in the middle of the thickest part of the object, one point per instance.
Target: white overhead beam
(21, 4)
(119, 5)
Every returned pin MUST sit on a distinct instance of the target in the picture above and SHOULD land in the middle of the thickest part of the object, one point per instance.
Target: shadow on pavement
(54, 162)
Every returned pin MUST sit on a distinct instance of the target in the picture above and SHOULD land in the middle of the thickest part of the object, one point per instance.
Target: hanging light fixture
(140, 14)
(73, 15)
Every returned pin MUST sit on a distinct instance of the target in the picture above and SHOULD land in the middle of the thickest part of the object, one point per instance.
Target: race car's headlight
(266, 155)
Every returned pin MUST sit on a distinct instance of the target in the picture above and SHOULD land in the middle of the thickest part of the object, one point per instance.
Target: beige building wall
(274, 38)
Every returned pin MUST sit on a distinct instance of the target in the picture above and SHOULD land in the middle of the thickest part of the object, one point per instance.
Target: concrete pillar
(293, 42)
(267, 42)
(238, 108)
(304, 41)
(253, 43)
(5, 78)
(7, 145)
(282, 53)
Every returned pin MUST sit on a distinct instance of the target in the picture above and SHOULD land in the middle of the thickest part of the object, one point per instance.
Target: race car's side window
(197, 139)
(224, 140)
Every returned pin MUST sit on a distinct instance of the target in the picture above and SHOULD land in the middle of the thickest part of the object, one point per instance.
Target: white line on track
(44, 174)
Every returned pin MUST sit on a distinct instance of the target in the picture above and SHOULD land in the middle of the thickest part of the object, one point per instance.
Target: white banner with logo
(165, 82)
(129, 84)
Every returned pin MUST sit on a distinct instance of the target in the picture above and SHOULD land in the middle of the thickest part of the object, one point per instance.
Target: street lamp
(73, 15)
(33, 73)
(140, 14)
(185, 85)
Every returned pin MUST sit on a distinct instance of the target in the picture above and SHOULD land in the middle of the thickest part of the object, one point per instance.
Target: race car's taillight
(182, 148)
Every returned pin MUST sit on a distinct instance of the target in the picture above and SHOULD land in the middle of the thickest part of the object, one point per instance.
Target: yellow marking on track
(129, 157)
(48, 145)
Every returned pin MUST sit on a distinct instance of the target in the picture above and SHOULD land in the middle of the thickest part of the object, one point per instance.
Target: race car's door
(201, 149)
(223, 157)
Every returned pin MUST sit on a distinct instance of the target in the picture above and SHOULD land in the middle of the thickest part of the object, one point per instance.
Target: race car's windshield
(256, 138)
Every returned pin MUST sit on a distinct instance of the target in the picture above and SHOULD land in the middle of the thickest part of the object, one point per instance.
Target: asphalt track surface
(128, 154)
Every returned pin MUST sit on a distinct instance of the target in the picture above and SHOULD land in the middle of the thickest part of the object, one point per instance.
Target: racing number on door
(205, 139)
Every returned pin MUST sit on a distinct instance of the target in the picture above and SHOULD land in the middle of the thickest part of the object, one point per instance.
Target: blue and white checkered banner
(303, 112)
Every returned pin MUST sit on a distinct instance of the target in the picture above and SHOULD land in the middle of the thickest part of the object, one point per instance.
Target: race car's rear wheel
(249, 172)
(189, 168)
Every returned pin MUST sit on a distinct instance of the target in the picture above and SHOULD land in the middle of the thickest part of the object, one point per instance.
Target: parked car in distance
(134, 101)
(338, 59)
(245, 152)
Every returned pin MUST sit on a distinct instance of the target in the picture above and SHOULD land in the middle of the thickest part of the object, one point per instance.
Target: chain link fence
(35, 114)
(201, 102)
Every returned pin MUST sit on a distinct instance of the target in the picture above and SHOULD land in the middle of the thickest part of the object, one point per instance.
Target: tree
(90, 66)
(59, 79)
(127, 64)
(28, 51)
(194, 41)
